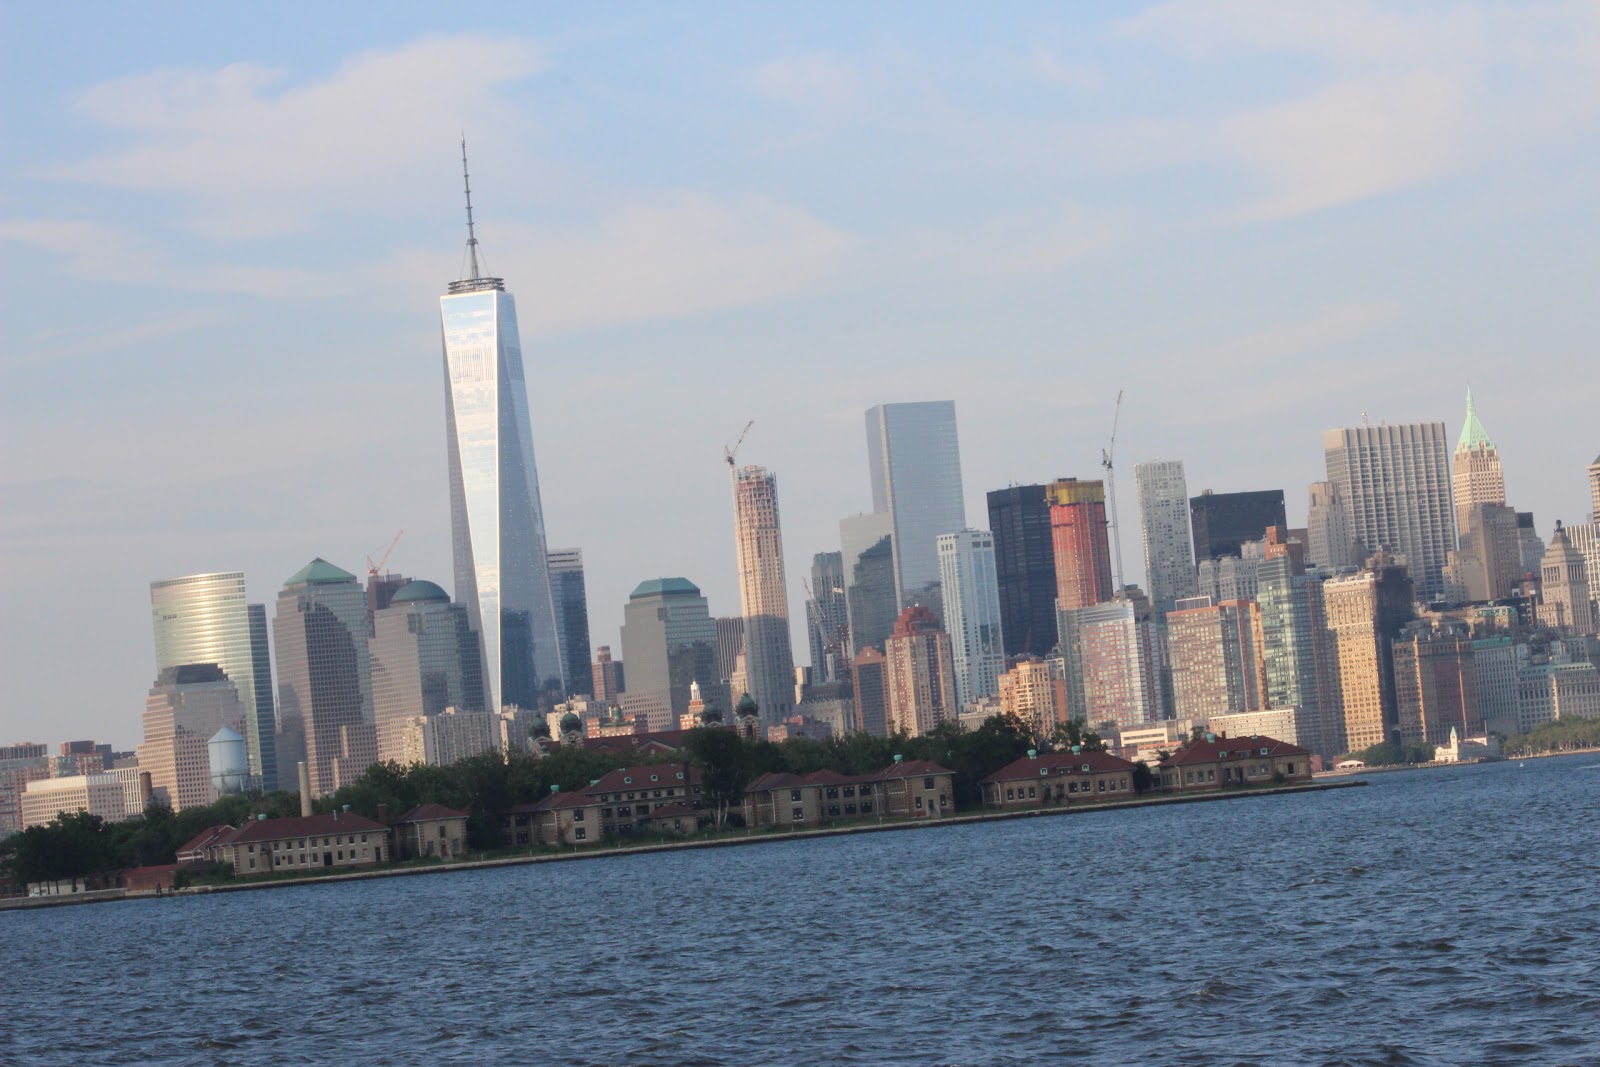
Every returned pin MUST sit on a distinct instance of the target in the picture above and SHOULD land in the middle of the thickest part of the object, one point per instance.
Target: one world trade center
(502, 572)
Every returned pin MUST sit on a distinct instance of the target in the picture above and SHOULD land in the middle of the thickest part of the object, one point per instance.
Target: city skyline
(105, 500)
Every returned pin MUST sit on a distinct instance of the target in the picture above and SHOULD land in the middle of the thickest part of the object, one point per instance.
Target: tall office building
(921, 673)
(1395, 480)
(1224, 521)
(828, 620)
(1489, 562)
(1366, 612)
(1082, 547)
(1025, 567)
(730, 648)
(572, 617)
(606, 677)
(1217, 666)
(914, 460)
(1436, 685)
(1297, 654)
(203, 618)
(870, 680)
(1475, 474)
(1112, 657)
(763, 594)
(1328, 528)
(1564, 587)
(866, 544)
(1032, 692)
(502, 572)
(669, 641)
(1530, 544)
(972, 613)
(1164, 523)
(185, 709)
(324, 678)
(1594, 490)
(424, 659)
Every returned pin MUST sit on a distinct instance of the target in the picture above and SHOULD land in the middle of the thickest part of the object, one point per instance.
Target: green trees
(1385, 754)
(1559, 736)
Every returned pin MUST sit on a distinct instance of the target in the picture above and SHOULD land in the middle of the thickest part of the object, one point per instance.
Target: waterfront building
(431, 830)
(606, 674)
(828, 620)
(1222, 522)
(971, 596)
(337, 839)
(1564, 587)
(870, 681)
(1436, 685)
(324, 676)
(1214, 653)
(185, 709)
(1475, 474)
(1164, 524)
(445, 737)
(568, 590)
(1113, 655)
(871, 597)
(1082, 547)
(1494, 667)
(1025, 568)
(1395, 481)
(1297, 655)
(1365, 612)
(920, 672)
(763, 593)
(1330, 543)
(1056, 779)
(669, 641)
(1034, 693)
(502, 571)
(1215, 763)
(913, 789)
(205, 618)
(424, 658)
(914, 460)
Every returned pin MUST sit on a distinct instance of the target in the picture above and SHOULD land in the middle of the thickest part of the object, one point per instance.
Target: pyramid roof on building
(1473, 435)
(318, 572)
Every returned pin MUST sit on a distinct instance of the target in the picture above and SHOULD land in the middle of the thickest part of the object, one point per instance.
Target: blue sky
(224, 229)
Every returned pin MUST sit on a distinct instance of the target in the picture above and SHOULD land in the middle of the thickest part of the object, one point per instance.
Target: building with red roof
(649, 798)
(430, 830)
(918, 788)
(1219, 762)
(1054, 779)
(336, 839)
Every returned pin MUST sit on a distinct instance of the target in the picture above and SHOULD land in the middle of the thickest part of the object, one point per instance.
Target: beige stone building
(337, 839)
(1475, 473)
(184, 709)
(1034, 694)
(1567, 601)
(98, 794)
(1214, 763)
(1054, 779)
(1365, 612)
(1215, 654)
(920, 672)
(431, 830)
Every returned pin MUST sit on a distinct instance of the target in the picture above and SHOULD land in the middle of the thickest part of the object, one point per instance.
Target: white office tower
(972, 612)
(1168, 545)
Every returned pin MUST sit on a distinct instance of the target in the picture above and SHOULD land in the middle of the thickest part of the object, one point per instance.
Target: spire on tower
(474, 281)
(1473, 435)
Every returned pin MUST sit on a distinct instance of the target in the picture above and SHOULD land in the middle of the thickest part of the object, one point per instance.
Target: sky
(224, 230)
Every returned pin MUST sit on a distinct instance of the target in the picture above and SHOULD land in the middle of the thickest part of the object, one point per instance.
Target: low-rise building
(431, 830)
(1215, 762)
(915, 789)
(1052, 779)
(651, 798)
(337, 839)
(99, 794)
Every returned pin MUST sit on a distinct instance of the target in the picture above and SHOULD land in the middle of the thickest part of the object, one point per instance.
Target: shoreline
(106, 896)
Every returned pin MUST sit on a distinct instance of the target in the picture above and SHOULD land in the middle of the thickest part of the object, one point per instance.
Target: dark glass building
(1025, 564)
(1224, 521)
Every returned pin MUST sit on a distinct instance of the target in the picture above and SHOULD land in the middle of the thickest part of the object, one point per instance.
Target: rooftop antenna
(472, 237)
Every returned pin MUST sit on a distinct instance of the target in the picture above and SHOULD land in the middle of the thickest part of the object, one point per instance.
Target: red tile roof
(558, 801)
(1228, 749)
(780, 780)
(1048, 764)
(911, 769)
(634, 778)
(345, 822)
(431, 813)
(211, 835)
(659, 740)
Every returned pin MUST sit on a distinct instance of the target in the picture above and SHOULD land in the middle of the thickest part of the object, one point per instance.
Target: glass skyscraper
(502, 572)
(572, 617)
(866, 545)
(203, 618)
(915, 463)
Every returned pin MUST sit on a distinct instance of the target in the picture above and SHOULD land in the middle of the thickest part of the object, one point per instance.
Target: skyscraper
(669, 641)
(1164, 519)
(424, 659)
(572, 616)
(1594, 490)
(1224, 521)
(1216, 659)
(763, 595)
(870, 680)
(1297, 654)
(502, 573)
(203, 618)
(828, 620)
(921, 673)
(1112, 658)
(1475, 474)
(1082, 547)
(186, 707)
(1025, 567)
(1564, 587)
(1436, 685)
(1031, 691)
(866, 544)
(1366, 612)
(972, 613)
(1395, 480)
(915, 463)
(324, 678)
(1328, 528)
(606, 676)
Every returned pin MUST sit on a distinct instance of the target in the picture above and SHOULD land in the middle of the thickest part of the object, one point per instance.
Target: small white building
(1473, 748)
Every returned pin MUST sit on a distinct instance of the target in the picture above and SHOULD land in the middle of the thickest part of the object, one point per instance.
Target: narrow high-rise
(204, 618)
(914, 460)
(828, 620)
(920, 673)
(1395, 480)
(1594, 490)
(1297, 654)
(972, 613)
(763, 596)
(1082, 547)
(1475, 473)
(502, 571)
(1366, 612)
(1215, 652)
(1328, 528)
(866, 544)
(572, 616)
(1025, 567)
(1164, 521)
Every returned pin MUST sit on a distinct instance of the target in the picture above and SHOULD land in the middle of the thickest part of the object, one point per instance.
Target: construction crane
(374, 568)
(728, 454)
(1107, 457)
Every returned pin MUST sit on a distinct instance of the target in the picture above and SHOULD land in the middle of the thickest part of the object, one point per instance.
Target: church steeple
(1473, 435)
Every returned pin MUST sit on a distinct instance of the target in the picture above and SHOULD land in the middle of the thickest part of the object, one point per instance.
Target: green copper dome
(419, 591)
(319, 572)
(746, 707)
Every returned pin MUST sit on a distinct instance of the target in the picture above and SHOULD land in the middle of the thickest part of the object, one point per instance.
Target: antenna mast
(472, 237)
(1107, 456)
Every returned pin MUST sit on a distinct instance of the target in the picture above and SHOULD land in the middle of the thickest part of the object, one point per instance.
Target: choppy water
(1434, 917)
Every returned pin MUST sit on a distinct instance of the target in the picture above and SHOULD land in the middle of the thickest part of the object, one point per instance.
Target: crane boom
(1108, 461)
(374, 568)
(728, 454)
